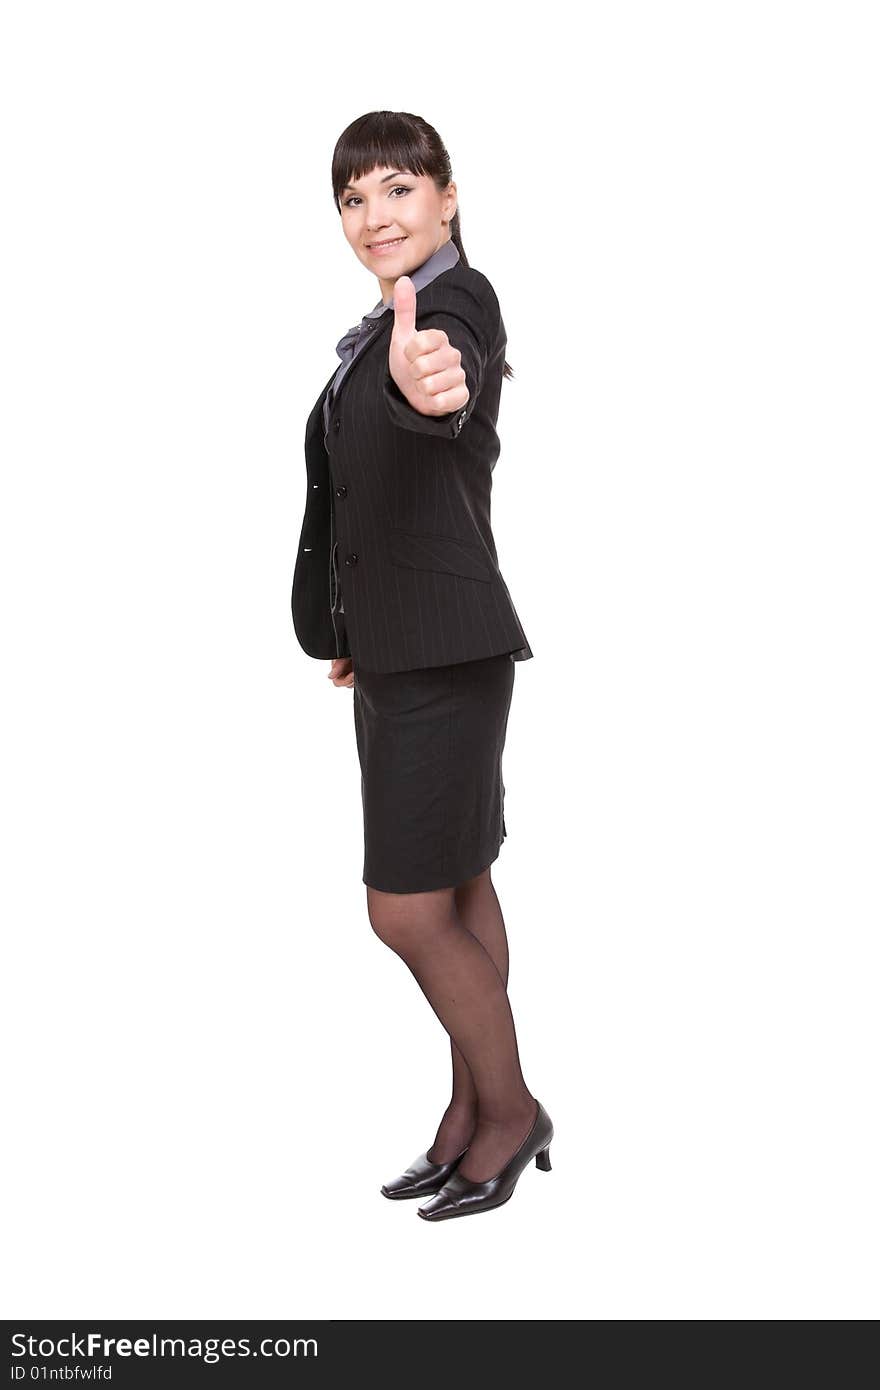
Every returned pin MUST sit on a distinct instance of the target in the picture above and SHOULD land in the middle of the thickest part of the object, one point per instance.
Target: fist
(341, 671)
(425, 365)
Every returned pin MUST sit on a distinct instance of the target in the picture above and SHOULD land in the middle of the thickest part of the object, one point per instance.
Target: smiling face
(390, 205)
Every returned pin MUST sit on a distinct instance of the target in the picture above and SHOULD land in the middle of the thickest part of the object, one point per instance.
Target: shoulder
(463, 286)
(473, 280)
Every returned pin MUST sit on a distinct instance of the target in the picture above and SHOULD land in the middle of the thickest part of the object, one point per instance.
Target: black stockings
(455, 944)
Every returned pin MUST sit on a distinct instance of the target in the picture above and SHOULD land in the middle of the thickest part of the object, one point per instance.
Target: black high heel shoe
(461, 1197)
(421, 1177)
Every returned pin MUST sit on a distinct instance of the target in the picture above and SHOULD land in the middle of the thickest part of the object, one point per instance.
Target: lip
(380, 248)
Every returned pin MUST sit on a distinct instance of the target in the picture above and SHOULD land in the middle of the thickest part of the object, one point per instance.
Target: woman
(400, 448)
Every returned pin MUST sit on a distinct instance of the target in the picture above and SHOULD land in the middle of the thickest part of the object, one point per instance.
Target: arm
(470, 324)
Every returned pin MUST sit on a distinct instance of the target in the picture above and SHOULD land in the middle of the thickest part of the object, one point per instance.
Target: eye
(397, 188)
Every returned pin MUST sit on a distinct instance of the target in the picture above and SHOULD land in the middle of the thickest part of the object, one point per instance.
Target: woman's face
(392, 205)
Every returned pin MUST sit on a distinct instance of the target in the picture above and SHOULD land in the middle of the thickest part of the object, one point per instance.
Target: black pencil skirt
(430, 744)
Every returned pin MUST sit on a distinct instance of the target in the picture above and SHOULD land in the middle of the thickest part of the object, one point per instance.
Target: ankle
(461, 1111)
(454, 1133)
(512, 1116)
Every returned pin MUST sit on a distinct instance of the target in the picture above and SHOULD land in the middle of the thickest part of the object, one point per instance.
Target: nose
(375, 220)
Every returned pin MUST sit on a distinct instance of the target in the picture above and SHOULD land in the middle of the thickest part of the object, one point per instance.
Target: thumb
(404, 310)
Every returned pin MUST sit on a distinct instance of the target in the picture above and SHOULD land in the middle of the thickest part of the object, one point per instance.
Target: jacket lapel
(381, 333)
(315, 419)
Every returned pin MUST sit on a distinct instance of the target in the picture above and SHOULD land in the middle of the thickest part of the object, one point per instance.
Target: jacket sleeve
(470, 322)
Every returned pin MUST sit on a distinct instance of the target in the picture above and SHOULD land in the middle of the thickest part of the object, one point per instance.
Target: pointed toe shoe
(421, 1177)
(459, 1196)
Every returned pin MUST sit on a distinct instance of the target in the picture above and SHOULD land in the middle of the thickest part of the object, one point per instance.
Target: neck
(386, 287)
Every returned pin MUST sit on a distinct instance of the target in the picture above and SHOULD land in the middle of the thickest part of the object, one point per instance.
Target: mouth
(383, 248)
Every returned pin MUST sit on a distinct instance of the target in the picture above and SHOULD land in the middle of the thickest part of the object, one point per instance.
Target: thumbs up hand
(424, 364)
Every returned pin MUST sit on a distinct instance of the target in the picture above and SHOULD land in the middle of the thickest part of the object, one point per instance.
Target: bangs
(381, 139)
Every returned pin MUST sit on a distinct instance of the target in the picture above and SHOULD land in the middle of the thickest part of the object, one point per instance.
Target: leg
(467, 993)
(480, 912)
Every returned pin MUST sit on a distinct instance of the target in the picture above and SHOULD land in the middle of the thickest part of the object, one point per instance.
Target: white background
(212, 1061)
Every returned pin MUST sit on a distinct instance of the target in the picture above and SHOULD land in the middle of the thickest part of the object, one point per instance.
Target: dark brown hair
(396, 140)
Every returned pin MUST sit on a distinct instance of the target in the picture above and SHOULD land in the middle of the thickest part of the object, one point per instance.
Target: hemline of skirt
(451, 879)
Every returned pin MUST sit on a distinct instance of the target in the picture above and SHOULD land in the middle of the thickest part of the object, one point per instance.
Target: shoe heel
(542, 1160)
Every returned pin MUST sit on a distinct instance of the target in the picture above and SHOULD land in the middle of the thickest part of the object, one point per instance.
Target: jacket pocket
(444, 554)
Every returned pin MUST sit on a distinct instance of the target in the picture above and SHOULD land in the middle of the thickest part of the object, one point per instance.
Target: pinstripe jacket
(403, 501)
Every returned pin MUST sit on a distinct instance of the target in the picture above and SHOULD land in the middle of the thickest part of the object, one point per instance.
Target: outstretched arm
(435, 372)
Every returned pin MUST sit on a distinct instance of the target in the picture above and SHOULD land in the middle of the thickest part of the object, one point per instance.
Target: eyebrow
(395, 173)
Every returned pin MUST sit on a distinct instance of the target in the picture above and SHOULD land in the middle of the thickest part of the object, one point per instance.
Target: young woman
(400, 448)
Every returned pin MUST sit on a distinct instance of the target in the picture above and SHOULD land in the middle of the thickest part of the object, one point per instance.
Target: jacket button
(337, 425)
(342, 490)
(351, 559)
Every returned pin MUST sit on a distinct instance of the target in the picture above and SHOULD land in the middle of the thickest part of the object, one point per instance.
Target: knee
(388, 918)
(402, 920)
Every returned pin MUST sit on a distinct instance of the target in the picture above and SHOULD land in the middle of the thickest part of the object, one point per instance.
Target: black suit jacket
(400, 502)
